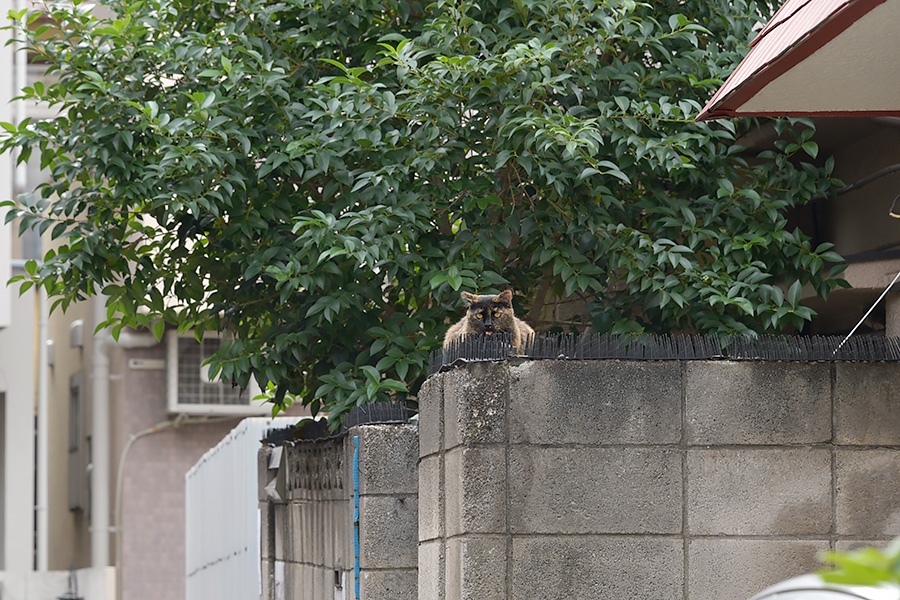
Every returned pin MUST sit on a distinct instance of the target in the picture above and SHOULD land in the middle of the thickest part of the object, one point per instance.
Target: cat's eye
(479, 314)
(496, 313)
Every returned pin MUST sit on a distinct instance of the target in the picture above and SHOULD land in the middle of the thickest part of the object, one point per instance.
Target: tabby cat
(488, 315)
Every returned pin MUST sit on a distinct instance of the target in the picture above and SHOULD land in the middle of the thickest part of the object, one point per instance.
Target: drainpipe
(100, 440)
(100, 429)
(43, 432)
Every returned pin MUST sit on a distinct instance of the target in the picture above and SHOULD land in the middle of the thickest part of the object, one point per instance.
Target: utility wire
(865, 316)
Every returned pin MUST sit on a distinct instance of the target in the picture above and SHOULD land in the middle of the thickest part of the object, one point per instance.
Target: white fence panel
(222, 523)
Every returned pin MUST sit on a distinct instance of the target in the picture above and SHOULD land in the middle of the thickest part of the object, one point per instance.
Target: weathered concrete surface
(641, 479)
(740, 568)
(472, 563)
(387, 533)
(598, 479)
(759, 491)
(475, 402)
(475, 478)
(622, 568)
(392, 473)
(308, 548)
(394, 584)
(595, 490)
(431, 402)
(866, 404)
(868, 492)
(757, 403)
(432, 564)
(595, 402)
(431, 498)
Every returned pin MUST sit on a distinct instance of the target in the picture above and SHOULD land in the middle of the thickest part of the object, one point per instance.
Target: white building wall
(17, 361)
(6, 167)
(222, 524)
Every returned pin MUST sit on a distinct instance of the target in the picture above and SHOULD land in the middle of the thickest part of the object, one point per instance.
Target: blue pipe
(356, 514)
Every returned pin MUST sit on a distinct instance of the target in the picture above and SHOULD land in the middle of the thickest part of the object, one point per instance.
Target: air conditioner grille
(194, 386)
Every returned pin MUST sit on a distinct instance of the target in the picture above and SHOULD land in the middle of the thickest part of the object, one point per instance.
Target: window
(79, 480)
(190, 388)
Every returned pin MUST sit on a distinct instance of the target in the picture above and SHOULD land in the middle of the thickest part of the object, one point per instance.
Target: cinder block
(388, 458)
(337, 516)
(344, 552)
(868, 494)
(267, 573)
(318, 531)
(431, 415)
(347, 550)
(322, 583)
(283, 532)
(266, 531)
(475, 400)
(388, 532)
(759, 491)
(475, 490)
(350, 585)
(596, 402)
(757, 402)
(865, 404)
(431, 498)
(735, 568)
(597, 567)
(595, 490)
(431, 570)
(298, 581)
(388, 585)
(348, 485)
(476, 568)
(262, 472)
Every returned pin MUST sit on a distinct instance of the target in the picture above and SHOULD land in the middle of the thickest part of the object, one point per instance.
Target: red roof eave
(795, 32)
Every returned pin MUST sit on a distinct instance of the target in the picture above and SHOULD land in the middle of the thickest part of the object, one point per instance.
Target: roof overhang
(818, 58)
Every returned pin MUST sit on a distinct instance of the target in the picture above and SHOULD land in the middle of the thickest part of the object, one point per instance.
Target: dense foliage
(865, 566)
(322, 177)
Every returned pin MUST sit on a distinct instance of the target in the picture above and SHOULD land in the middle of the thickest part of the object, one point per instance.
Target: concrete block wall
(313, 546)
(655, 480)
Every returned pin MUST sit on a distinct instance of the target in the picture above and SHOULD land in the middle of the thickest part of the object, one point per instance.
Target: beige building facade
(95, 435)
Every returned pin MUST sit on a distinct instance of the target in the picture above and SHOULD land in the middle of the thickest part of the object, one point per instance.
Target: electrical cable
(886, 290)
(865, 316)
(894, 205)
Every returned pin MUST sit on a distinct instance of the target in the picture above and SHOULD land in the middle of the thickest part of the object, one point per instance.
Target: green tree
(322, 177)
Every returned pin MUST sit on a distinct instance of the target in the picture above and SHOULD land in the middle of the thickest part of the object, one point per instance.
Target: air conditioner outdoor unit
(192, 391)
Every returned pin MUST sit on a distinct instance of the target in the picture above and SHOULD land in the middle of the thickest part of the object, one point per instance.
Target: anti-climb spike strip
(666, 347)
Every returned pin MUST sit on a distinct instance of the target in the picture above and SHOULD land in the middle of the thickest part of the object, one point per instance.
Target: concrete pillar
(339, 516)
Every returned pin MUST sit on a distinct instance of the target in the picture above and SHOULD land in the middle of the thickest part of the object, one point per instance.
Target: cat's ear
(468, 298)
(505, 297)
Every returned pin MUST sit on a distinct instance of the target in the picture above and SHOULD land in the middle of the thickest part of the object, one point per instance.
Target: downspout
(100, 447)
(100, 429)
(43, 432)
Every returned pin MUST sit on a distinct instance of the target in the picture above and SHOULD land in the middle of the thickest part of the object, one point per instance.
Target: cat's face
(490, 314)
